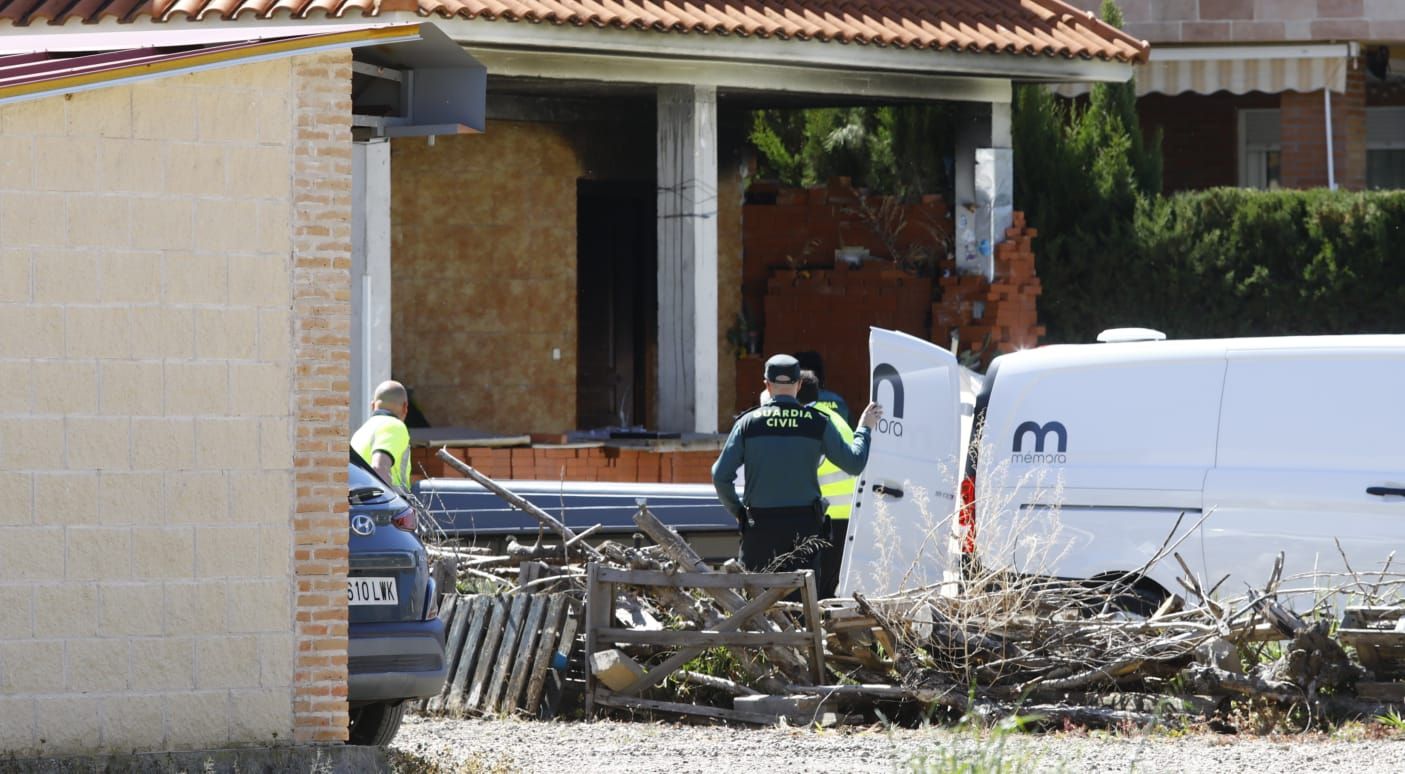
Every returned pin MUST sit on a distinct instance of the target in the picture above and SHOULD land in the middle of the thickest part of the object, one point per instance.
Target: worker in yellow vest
(383, 440)
(836, 487)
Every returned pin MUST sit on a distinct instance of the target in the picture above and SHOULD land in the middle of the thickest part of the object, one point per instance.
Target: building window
(1385, 147)
(1260, 149)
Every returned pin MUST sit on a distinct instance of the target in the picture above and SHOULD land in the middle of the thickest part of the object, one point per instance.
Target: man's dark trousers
(833, 557)
(779, 532)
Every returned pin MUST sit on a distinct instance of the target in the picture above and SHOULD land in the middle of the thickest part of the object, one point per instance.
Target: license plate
(371, 591)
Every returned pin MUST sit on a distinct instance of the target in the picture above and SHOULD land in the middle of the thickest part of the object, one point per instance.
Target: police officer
(781, 444)
(836, 487)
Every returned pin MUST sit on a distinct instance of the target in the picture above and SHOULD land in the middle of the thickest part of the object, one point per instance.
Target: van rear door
(901, 531)
(1311, 455)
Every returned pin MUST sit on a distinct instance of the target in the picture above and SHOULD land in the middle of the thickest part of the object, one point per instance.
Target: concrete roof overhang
(762, 65)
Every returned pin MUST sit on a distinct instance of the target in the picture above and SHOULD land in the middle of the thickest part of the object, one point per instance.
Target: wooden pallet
(500, 651)
(1377, 635)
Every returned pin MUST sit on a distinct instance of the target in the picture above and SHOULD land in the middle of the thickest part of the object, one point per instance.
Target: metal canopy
(423, 87)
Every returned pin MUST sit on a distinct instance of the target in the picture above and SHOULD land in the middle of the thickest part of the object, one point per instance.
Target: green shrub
(1233, 262)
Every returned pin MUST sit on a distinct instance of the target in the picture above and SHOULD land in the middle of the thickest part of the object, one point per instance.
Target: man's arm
(383, 463)
(724, 473)
(851, 458)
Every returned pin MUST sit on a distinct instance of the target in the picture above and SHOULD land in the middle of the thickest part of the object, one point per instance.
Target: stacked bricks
(1009, 319)
(321, 224)
(598, 463)
(831, 310)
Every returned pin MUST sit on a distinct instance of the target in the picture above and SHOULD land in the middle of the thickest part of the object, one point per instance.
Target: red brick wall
(830, 311)
(804, 228)
(1305, 136)
(1200, 142)
(793, 290)
(322, 352)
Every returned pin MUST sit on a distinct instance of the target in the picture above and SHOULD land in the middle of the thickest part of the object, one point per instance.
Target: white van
(1093, 457)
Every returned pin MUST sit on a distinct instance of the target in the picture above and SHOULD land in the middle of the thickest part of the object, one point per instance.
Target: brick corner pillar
(321, 322)
(687, 257)
(1304, 135)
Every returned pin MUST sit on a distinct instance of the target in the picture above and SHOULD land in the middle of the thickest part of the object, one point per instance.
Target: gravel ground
(473, 746)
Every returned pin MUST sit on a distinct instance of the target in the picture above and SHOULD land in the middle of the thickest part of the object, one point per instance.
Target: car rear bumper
(387, 661)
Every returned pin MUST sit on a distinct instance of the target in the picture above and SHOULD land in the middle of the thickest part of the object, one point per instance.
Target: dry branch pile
(665, 633)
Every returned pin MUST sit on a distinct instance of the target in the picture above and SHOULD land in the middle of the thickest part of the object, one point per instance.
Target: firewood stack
(661, 633)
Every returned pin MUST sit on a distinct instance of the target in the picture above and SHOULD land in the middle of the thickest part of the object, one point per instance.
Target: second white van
(1087, 460)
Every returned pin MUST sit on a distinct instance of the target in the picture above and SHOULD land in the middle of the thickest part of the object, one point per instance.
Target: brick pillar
(321, 224)
(1304, 135)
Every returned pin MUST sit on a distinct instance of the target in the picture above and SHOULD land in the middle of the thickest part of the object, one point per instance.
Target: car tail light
(405, 520)
(967, 518)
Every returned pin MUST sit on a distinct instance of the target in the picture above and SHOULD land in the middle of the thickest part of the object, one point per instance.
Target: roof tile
(1030, 27)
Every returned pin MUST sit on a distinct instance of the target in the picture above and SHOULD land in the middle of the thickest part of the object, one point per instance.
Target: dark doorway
(616, 247)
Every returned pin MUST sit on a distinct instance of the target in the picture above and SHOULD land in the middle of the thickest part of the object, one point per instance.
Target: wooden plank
(707, 639)
(598, 604)
(477, 617)
(551, 629)
(789, 662)
(450, 614)
(487, 655)
(551, 701)
(446, 612)
(667, 667)
(526, 648)
(506, 653)
(703, 580)
(633, 702)
(1391, 692)
(545, 518)
(812, 614)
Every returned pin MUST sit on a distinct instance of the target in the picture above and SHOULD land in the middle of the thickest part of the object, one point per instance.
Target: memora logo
(1041, 434)
(890, 424)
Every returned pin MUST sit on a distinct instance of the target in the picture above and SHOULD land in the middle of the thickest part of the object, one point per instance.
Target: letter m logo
(885, 372)
(1040, 433)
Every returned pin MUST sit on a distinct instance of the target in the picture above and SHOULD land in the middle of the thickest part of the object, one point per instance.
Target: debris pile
(653, 629)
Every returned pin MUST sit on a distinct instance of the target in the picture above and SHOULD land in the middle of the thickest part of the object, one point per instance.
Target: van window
(1313, 410)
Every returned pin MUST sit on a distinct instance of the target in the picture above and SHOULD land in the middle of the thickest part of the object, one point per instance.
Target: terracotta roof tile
(1029, 27)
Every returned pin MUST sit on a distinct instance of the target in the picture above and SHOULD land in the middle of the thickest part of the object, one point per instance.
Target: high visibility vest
(836, 486)
(385, 432)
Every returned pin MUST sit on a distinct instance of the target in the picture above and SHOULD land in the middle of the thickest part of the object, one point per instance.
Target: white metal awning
(1239, 69)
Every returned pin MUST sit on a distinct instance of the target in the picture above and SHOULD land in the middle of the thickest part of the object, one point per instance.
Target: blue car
(395, 643)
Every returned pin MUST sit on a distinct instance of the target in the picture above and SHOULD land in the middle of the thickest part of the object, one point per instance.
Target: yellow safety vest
(836, 486)
(385, 432)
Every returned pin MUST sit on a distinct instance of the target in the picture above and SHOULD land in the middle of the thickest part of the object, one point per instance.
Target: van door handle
(1382, 491)
(890, 491)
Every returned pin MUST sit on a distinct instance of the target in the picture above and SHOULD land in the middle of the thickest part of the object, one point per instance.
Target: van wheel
(1140, 601)
(376, 724)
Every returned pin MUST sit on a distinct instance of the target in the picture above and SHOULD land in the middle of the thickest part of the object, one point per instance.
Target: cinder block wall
(151, 410)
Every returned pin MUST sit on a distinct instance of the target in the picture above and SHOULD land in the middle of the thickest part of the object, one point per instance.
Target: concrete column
(370, 273)
(687, 257)
(984, 185)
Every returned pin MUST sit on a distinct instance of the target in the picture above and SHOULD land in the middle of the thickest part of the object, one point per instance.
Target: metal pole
(1331, 162)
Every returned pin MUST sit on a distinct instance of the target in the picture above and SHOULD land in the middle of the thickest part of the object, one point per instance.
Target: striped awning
(1239, 70)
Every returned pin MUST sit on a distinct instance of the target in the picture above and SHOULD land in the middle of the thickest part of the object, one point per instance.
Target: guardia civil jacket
(781, 445)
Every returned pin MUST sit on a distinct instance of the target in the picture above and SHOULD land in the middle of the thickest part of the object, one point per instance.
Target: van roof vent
(1124, 335)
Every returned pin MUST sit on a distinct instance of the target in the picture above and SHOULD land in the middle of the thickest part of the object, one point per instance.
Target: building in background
(1273, 93)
